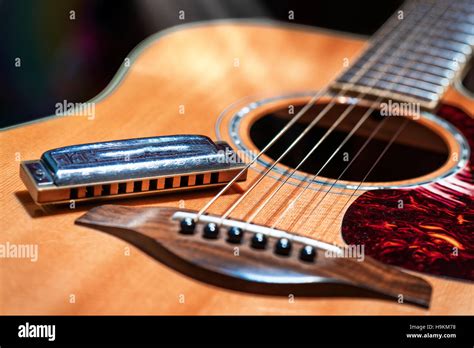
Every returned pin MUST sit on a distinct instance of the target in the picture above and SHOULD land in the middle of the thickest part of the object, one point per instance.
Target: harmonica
(131, 167)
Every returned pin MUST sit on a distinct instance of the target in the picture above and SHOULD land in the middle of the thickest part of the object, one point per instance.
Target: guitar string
(394, 137)
(293, 202)
(401, 127)
(367, 141)
(377, 37)
(289, 176)
(340, 119)
(307, 129)
(310, 181)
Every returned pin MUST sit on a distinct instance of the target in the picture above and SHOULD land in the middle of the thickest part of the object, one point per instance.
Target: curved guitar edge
(215, 261)
(429, 228)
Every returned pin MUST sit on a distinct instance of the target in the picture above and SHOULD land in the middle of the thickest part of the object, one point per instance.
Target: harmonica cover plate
(135, 158)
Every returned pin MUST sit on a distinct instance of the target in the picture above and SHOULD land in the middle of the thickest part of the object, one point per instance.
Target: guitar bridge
(268, 261)
(130, 167)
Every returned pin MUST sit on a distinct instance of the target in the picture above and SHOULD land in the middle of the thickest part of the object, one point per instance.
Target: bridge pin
(259, 241)
(283, 247)
(234, 235)
(187, 226)
(308, 253)
(211, 231)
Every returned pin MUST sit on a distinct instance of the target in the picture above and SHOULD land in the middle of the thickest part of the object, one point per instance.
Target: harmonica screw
(39, 173)
(187, 226)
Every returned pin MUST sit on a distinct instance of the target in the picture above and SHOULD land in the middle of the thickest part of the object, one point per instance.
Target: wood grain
(195, 68)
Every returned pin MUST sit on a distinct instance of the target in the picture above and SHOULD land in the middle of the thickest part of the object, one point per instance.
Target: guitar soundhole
(417, 151)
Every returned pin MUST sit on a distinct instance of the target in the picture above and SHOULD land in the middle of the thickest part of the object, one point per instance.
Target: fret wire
(429, 48)
(424, 103)
(398, 94)
(425, 68)
(435, 61)
(441, 53)
(461, 17)
(443, 74)
(411, 55)
(424, 71)
(448, 45)
(452, 46)
(381, 85)
(455, 37)
(414, 74)
(389, 77)
(433, 79)
(461, 28)
(408, 83)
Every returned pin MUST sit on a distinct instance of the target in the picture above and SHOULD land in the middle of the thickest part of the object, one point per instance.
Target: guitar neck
(416, 55)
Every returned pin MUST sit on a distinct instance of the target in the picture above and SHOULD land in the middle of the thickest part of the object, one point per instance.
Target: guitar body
(187, 81)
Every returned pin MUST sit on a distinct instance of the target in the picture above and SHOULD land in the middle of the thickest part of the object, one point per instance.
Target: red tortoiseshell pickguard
(434, 230)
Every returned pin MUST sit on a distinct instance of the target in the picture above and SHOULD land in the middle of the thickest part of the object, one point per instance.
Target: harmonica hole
(73, 193)
(184, 181)
(137, 186)
(168, 183)
(153, 184)
(105, 190)
(89, 191)
(214, 178)
(199, 179)
(122, 187)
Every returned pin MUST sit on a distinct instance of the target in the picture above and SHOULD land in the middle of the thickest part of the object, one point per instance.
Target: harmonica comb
(132, 167)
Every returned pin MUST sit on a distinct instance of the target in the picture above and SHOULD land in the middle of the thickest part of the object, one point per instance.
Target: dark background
(73, 60)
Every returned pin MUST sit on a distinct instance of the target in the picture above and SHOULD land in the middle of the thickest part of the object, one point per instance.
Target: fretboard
(416, 55)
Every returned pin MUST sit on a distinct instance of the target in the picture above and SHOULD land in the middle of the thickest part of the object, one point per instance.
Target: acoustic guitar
(354, 194)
